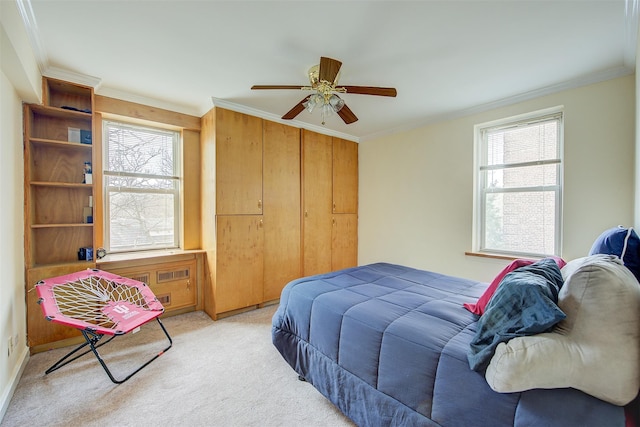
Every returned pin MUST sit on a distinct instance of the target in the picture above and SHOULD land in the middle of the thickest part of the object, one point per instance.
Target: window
(142, 177)
(518, 192)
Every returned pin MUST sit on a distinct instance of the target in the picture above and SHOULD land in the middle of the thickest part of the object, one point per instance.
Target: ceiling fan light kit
(323, 79)
(328, 104)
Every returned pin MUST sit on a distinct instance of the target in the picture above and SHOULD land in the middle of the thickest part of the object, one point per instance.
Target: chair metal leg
(92, 339)
(59, 364)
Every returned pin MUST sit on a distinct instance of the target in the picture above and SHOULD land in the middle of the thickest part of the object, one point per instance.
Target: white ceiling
(446, 58)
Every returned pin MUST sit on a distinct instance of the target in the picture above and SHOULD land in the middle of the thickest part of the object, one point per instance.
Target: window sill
(144, 256)
(497, 256)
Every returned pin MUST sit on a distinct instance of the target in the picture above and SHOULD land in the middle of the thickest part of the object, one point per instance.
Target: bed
(388, 345)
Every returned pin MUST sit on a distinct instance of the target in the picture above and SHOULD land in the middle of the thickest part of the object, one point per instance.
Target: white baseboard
(7, 394)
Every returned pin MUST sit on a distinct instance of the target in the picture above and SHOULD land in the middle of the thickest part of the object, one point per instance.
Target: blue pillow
(525, 303)
(623, 243)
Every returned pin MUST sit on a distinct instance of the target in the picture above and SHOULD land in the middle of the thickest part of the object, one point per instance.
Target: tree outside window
(142, 187)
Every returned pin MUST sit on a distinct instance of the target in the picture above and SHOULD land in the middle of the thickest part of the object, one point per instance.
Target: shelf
(43, 123)
(58, 93)
(79, 265)
(62, 144)
(57, 162)
(60, 112)
(70, 225)
(61, 184)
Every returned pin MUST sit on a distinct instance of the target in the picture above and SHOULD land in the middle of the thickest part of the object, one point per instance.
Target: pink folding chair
(99, 303)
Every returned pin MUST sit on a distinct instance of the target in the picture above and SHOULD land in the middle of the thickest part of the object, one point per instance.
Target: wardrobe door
(317, 202)
(281, 207)
(345, 176)
(238, 139)
(239, 275)
(344, 241)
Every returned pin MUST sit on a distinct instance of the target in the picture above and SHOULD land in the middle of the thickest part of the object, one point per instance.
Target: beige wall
(19, 81)
(416, 188)
(12, 307)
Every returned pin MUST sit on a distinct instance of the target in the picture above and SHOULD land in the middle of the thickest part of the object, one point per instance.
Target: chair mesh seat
(98, 303)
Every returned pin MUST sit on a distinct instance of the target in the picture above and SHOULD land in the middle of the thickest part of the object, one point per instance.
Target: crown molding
(217, 102)
(31, 27)
(504, 102)
(40, 53)
(72, 76)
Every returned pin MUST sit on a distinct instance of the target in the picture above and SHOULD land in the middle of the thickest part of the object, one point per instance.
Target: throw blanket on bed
(525, 303)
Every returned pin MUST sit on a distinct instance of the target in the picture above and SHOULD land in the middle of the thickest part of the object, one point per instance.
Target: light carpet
(223, 373)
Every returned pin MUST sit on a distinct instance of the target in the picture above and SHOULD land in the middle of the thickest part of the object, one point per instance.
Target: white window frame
(176, 191)
(481, 188)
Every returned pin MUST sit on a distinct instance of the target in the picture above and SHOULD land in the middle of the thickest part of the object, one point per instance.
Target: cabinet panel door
(240, 262)
(281, 208)
(317, 203)
(344, 241)
(238, 163)
(345, 176)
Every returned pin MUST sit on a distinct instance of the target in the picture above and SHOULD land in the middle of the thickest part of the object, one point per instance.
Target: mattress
(387, 344)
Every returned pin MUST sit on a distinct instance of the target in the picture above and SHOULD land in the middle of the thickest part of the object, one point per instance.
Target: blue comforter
(388, 346)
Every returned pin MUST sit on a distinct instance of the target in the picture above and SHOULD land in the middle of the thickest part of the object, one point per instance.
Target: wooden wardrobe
(278, 203)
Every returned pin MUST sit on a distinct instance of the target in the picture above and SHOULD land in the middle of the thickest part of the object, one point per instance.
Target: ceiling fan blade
(347, 115)
(371, 90)
(329, 69)
(254, 87)
(297, 109)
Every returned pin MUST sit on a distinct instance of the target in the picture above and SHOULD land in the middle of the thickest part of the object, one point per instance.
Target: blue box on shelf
(85, 136)
(85, 254)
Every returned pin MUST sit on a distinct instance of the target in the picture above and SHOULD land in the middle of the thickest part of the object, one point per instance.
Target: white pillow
(596, 349)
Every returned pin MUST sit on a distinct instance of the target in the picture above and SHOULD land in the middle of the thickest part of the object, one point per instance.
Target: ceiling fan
(323, 79)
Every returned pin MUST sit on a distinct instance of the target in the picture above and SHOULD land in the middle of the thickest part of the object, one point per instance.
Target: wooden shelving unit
(55, 193)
